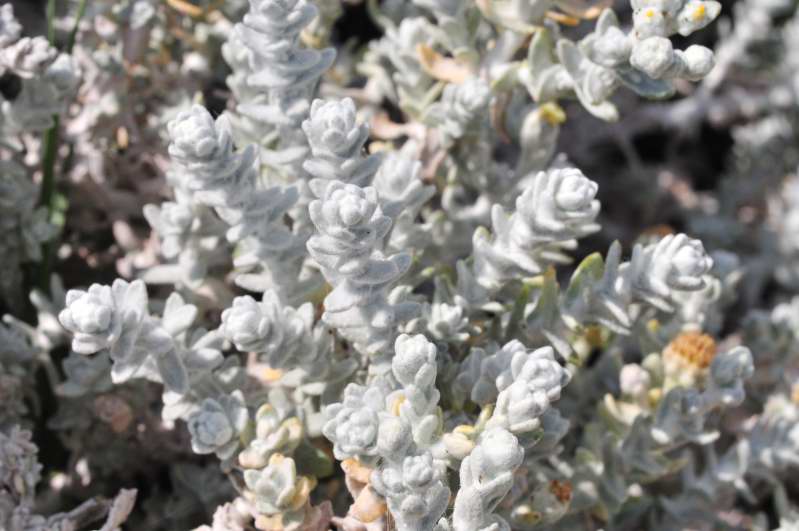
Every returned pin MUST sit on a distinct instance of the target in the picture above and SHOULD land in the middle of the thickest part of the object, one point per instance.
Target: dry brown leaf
(440, 67)
(368, 506)
(583, 10)
(355, 470)
(560, 18)
(186, 8)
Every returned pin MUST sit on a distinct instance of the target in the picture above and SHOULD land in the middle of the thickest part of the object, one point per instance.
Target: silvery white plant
(527, 386)
(460, 107)
(417, 495)
(486, 477)
(277, 491)
(336, 143)
(407, 309)
(353, 424)
(403, 194)
(216, 426)
(282, 74)
(396, 426)
(404, 81)
(277, 332)
(643, 59)
(48, 80)
(350, 227)
(558, 207)
(610, 293)
(24, 225)
(116, 319)
(214, 176)
(20, 472)
(273, 435)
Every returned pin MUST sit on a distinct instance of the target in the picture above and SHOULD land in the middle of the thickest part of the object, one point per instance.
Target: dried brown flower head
(695, 348)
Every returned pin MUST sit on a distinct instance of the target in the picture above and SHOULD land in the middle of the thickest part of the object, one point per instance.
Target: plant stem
(74, 33)
(46, 199)
(50, 19)
(51, 138)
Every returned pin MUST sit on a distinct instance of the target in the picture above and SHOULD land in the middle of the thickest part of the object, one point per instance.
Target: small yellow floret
(528, 516)
(395, 407)
(699, 13)
(464, 429)
(552, 113)
(271, 375)
(649, 13)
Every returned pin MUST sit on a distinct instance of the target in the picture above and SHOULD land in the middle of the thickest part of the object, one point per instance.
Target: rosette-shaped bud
(336, 142)
(272, 435)
(461, 106)
(105, 317)
(557, 207)
(350, 227)
(486, 476)
(245, 325)
(537, 382)
(216, 426)
(674, 263)
(278, 333)
(202, 150)
(414, 488)
(350, 224)
(332, 129)
(194, 136)
(277, 488)
(28, 57)
(414, 361)
(10, 28)
(353, 424)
